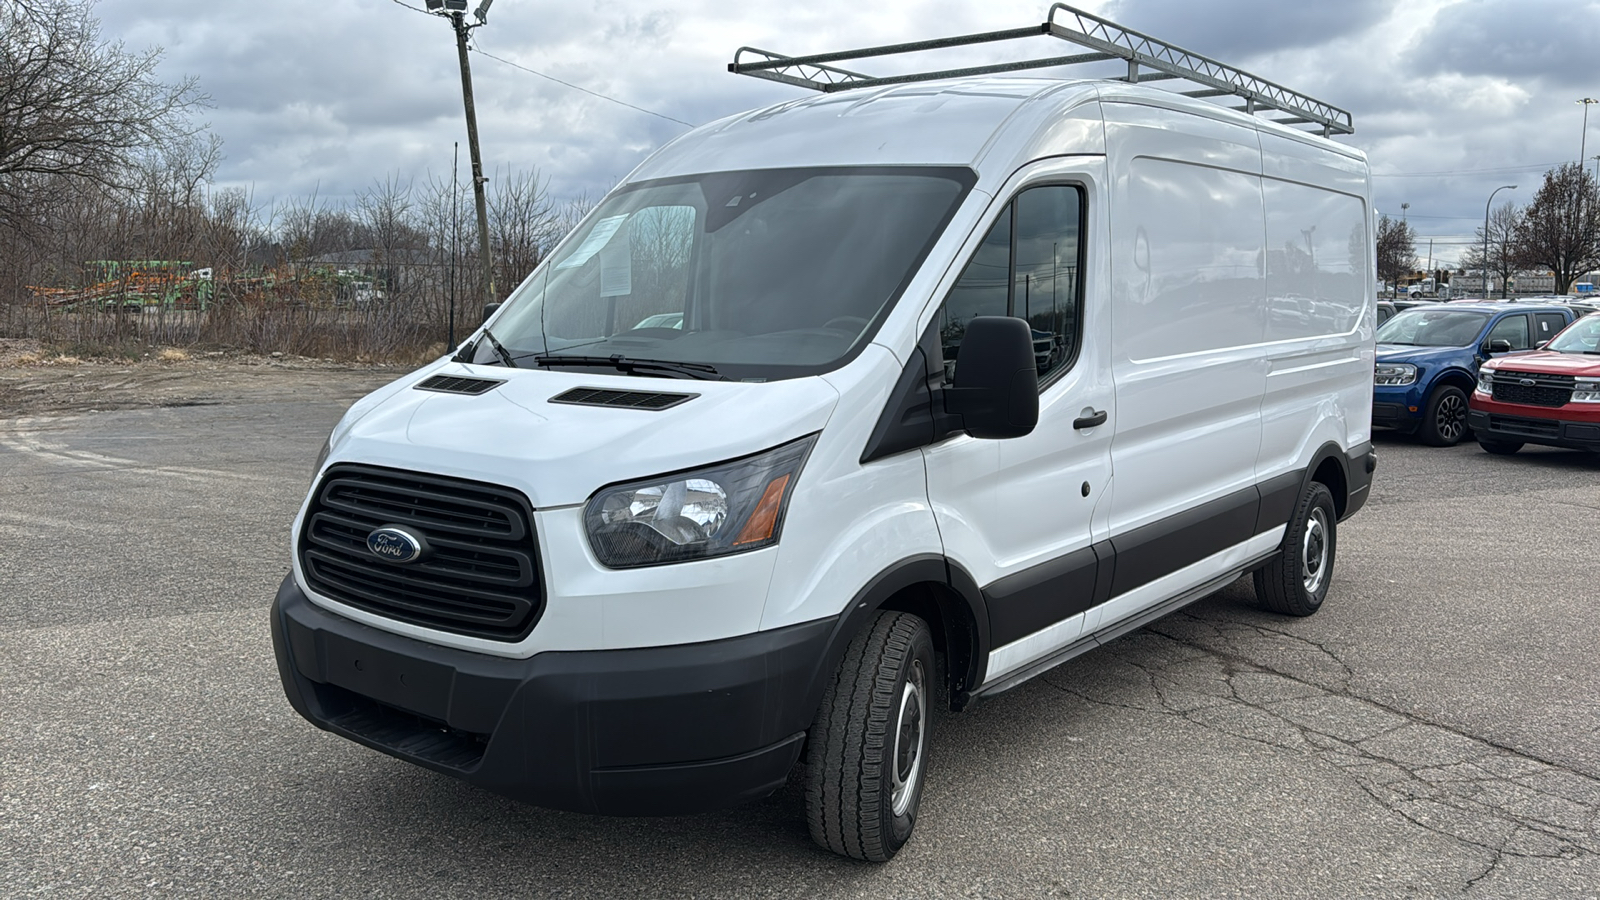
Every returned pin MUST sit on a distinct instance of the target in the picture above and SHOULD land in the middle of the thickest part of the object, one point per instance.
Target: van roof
(957, 121)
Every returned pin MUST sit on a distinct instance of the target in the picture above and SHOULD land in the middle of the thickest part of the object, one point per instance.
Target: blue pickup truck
(1428, 358)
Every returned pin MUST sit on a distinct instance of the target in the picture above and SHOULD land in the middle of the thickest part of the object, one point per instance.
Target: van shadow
(418, 827)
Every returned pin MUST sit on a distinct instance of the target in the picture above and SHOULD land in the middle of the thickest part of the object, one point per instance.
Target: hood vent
(457, 384)
(586, 396)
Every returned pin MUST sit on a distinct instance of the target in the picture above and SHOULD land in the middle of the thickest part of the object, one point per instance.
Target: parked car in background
(1428, 359)
(1386, 311)
(1551, 397)
(1400, 303)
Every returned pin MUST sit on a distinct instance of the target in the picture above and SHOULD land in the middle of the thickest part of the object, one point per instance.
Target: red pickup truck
(1549, 397)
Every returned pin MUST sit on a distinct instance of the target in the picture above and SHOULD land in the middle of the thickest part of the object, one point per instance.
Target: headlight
(1395, 373)
(1486, 381)
(1586, 390)
(726, 508)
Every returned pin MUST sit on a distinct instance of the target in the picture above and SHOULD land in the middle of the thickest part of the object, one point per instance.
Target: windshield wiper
(629, 366)
(470, 350)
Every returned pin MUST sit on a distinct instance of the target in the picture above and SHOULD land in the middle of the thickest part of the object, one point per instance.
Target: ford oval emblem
(396, 544)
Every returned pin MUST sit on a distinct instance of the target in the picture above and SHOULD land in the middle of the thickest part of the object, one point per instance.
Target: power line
(1529, 168)
(569, 84)
(1417, 216)
(480, 51)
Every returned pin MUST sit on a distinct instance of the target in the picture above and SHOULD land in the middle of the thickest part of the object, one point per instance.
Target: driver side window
(1513, 329)
(1027, 266)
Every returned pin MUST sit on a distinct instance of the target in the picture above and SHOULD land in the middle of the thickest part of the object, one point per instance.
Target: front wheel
(867, 756)
(1444, 422)
(1296, 581)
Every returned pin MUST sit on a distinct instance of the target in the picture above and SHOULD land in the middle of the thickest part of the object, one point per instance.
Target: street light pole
(1486, 206)
(1584, 137)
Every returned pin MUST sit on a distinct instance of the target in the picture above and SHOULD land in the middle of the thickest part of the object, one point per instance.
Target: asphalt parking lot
(1433, 732)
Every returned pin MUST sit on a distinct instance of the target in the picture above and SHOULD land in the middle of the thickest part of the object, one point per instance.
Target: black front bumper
(1530, 430)
(1394, 415)
(655, 731)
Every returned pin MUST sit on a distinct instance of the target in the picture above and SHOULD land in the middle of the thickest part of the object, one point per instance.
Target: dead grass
(173, 354)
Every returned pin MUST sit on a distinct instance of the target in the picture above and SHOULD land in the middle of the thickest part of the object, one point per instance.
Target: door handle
(1097, 417)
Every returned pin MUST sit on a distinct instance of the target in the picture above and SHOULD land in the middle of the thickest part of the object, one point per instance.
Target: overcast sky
(1450, 98)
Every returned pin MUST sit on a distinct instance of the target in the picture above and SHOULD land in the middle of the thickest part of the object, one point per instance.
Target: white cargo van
(835, 410)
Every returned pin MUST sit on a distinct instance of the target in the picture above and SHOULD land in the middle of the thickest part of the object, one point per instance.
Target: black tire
(1296, 581)
(867, 752)
(1444, 423)
(1499, 448)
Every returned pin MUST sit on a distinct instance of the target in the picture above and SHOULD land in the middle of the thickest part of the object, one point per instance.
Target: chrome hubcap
(1452, 418)
(1314, 551)
(909, 736)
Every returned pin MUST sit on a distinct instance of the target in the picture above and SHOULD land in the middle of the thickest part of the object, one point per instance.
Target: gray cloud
(1515, 39)
(1229, 29)
(312, 95)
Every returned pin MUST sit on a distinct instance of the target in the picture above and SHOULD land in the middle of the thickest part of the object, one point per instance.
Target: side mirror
(996, 389)
(489, 310)
(1499, 346)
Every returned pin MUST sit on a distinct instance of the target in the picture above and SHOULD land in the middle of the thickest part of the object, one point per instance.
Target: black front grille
(480, 576)
(651, 400)
(1519, 425)
(1545, 390)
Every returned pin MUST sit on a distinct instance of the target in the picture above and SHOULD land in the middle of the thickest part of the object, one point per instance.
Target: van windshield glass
(1433, 327)
(742, 275)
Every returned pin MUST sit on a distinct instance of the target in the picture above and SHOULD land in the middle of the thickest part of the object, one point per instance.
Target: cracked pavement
(1452, 784)
(1432, 732)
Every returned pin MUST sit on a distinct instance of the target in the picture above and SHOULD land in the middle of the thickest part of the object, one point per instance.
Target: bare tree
(1504, 222)
(75, 107)
(522, 222)
(386, 216)
(1560, 229)
(309, 227)
(1396, 248)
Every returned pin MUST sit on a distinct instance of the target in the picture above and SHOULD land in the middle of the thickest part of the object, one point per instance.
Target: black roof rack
(1148, 59)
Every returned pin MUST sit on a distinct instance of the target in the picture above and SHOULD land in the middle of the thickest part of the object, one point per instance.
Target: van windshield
(755, 275)
(1433, 327)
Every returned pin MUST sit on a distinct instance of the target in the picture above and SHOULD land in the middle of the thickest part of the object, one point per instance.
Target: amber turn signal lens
(765, 518)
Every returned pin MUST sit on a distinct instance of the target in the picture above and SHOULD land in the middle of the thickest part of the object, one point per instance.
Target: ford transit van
(829, 413)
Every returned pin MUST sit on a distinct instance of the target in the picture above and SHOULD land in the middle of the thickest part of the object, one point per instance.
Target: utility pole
(456, 12)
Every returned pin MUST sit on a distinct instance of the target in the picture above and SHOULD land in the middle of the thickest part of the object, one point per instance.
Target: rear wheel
(1445, 421)
(1296, 581)
(1499, 448)
(866, 759)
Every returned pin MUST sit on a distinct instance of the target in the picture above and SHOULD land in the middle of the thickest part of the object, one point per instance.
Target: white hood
(559, 454)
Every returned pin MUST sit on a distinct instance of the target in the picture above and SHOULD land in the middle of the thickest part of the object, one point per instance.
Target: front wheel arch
(939, 592)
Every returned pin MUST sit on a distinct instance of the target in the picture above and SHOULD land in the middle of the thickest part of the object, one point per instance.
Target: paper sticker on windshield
(603, 230)
(616, 265)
